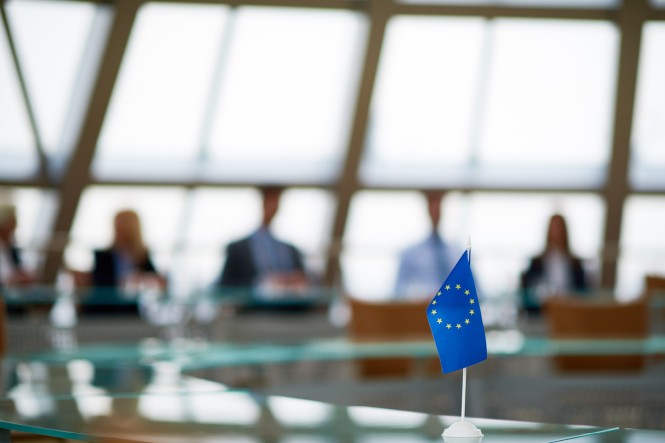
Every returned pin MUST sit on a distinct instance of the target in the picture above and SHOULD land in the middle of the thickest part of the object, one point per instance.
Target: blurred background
(184, 111)
(179, 110)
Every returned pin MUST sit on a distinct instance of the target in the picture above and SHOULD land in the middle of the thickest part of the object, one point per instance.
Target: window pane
(642, 248)
(50, 38)
(649, 127)
(160, 211)
(220, 216)
(158, 105)
(550, 93)
(17, 147)
(380, 225)
(506, 230)
(216, 217)
(305, 218)
(285, 100)
(508, 93)
(425, 94)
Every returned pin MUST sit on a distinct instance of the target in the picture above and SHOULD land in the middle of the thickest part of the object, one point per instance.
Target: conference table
(169, 404)
(210, 413)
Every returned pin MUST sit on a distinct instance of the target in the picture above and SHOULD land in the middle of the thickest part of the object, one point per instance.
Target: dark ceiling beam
(379, 13)
(490, 11)
(77, 172)
(318, 4)
(631, 19)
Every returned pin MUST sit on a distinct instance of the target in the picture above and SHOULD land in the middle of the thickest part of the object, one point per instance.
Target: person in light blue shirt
(424, 266)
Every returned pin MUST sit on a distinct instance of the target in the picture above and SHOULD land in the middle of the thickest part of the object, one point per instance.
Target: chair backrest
(395, 320)
(389, 321)
(587, 319)
(654, 284)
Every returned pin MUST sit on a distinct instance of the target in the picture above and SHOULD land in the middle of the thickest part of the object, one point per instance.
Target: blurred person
(261, 261)
(124, 266)
(12, 272)
(424, 266)
(556, 271)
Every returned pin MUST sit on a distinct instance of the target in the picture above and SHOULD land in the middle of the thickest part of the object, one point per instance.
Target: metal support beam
(380, 11)
(77, 171)
(325, 4)
(631, 18)
(505, 11)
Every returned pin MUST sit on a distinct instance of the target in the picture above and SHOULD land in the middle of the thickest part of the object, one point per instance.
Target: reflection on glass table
(193, 355)
(199, 416)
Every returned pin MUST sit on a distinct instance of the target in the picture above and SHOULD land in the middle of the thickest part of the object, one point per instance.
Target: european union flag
(455, 320)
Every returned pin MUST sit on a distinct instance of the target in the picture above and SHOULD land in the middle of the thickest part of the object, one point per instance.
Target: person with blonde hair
(124, 264)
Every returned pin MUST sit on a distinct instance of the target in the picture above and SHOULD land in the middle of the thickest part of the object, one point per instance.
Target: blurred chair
(389, 322)
(571, 319)
(654, 291)
(654, 286)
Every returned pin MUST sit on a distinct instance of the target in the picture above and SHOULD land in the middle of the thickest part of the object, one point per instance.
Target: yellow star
(472, 301)
(439, 321)
(438, 293)
(458, 326)
(466, 321)
(433, 311)
(448, 326)
(467, 292)
(447, 287)
(434, 302)
(458, 286)
(472, 312)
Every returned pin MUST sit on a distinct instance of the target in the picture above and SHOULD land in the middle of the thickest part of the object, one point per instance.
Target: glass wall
(17, 145)
(252, 94)
(51, 39)
(187, 231)
(504, 102)
(506, 229)
(648, 141)
(642, 248)
(513, 116)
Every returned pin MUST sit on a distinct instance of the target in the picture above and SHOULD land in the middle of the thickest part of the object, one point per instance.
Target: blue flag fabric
(455, 320)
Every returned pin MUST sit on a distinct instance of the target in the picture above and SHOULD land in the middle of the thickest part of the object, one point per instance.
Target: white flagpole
(468, 249)
(463, 428)
(463, 392)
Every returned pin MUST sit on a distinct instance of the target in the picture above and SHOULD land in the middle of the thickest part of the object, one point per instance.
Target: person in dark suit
(556, 271)
(122, 266)
(12, 272)
(261, 261)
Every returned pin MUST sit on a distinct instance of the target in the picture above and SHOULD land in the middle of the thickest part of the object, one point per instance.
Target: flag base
(462, 432)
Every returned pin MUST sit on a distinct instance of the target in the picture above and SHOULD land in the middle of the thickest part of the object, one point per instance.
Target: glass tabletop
(209, 414)
(198, 355)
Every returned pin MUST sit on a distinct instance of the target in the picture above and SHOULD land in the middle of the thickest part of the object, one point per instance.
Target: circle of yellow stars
(467, 321)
